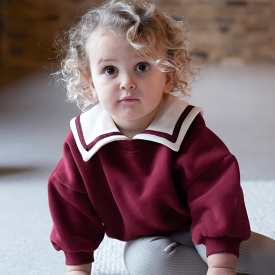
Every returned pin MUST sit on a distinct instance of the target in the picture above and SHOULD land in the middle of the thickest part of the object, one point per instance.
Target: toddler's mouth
(128, 99)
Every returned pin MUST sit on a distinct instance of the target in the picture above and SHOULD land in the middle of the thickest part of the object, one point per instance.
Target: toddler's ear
(88, 79)
(169, 82)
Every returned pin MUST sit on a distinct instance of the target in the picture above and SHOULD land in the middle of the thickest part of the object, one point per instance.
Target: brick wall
(242, 29)
(235, 28)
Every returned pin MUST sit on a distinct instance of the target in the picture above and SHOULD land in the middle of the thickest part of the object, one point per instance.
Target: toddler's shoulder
(203, 153)
(70, 146)
(67, 173)
(199, 135)
(69, 139)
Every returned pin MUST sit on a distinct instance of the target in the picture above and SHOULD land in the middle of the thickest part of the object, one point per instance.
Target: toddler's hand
(220, 271)
(84, 269)
(222, 264)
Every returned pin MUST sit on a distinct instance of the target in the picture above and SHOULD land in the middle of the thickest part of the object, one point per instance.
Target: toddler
(141, 166)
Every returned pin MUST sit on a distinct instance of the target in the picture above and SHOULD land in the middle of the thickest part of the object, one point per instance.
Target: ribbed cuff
(222, 245)
(79, 258)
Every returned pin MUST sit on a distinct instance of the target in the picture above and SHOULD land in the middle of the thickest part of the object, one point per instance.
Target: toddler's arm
(222, 263)
(84, 269)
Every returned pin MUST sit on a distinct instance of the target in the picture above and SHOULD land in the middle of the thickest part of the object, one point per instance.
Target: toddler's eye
(142, 67)
(110, 70)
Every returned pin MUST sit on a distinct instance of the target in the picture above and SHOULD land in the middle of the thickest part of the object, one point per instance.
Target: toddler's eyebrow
(105, 60)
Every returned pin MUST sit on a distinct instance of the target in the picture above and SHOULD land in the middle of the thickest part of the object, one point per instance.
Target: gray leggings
(176, 254)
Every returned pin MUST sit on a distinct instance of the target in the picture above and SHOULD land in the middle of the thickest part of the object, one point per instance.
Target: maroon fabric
(134, 187)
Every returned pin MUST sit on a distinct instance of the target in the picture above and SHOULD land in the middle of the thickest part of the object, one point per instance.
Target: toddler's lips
(127, 99)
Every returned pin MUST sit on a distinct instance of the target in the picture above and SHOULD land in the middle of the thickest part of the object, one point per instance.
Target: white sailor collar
(95, 128)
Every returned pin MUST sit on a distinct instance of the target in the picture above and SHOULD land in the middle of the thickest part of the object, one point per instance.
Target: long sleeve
(215, 198)
(76, 228)
(210, 177)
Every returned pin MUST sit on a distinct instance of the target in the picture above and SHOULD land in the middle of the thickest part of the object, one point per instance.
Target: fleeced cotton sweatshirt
(175, 171)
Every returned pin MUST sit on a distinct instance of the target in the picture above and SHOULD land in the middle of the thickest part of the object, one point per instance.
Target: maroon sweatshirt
(129, 188)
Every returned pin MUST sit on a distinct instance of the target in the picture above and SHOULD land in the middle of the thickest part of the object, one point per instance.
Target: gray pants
(176, 254)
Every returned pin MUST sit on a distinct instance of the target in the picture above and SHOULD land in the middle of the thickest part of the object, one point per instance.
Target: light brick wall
(243, 29)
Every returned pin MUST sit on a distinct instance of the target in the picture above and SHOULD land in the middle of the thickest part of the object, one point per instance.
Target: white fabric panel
(168, 115)
(184, 127)
(86, 155)
(96, 122)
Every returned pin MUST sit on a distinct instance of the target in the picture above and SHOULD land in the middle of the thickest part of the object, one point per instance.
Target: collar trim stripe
(80, 133)
(172, 138)
(92, 144)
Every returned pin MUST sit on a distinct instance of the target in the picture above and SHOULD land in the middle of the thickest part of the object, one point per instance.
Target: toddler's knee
(148, 255)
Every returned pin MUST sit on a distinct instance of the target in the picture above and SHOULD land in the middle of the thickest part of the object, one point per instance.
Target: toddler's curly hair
(144, 26)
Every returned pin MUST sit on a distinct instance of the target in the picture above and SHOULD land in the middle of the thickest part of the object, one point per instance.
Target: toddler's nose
(127, 84)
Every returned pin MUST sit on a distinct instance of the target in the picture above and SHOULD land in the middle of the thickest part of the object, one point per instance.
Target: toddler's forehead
(99, 32)
(103, 38)
(95, 38)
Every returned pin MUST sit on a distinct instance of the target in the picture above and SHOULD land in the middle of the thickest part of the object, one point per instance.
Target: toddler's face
(128, 87)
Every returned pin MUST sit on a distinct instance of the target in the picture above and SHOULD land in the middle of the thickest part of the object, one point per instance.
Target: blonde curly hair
(144, 26)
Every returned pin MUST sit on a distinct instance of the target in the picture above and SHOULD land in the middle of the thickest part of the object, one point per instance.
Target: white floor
(238, 105)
